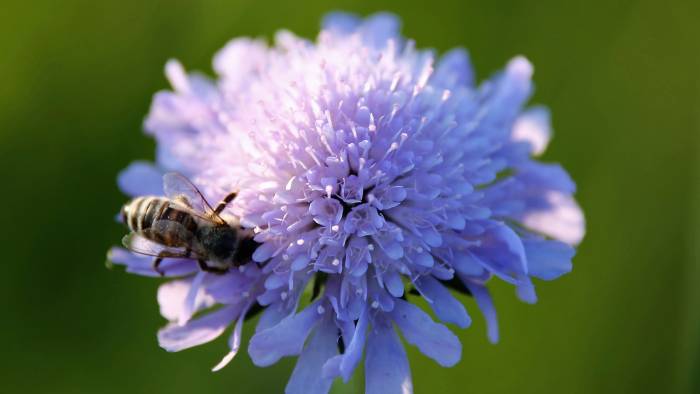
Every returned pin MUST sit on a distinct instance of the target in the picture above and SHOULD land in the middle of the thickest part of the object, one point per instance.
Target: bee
(183, 225)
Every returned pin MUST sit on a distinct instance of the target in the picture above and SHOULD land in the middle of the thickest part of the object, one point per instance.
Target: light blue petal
(501, 251)
(307, 377)
(285, 339)
(434, 340)
(264, 252)
(453, 70)
(376, 30)
(485, 303)
(559, 217)
(393, 283)
(528, 189)
(544, 176)
(379, 28)
(533, 127)
(539, 196)
(141, 178)
(143, 265)
(190, 302)
(341, 22)
(273, 314)
(234, 343)
(446, 307)
(174, 337)
(547, 259)
(386, 366)
(466, 263)
(506, 96)
(526, 290)
(344, 365)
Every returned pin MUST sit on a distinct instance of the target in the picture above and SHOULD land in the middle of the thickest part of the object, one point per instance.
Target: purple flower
(371, 172)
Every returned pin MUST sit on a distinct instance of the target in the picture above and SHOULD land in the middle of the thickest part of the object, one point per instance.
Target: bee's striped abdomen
(141, 212)
(179, 216)
(151, 209)
(159, 214)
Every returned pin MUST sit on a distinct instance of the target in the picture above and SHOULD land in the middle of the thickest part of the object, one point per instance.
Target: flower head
(369, 171)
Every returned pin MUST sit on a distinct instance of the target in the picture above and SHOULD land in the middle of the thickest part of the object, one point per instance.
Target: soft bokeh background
(621, 78)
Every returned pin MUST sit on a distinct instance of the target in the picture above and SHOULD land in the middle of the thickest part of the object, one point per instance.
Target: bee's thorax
(220, 242)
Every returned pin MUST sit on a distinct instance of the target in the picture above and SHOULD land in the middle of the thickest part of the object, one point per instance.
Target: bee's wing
(195, 213)
(179, 188)
(138, 242)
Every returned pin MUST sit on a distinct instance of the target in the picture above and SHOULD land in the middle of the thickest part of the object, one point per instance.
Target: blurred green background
(621, 79)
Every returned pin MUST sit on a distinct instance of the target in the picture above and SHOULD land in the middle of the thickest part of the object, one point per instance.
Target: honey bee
(183, 225)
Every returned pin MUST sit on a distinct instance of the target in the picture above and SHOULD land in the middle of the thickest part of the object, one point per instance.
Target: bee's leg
(156, 264)
(214, 270)
(224, 202)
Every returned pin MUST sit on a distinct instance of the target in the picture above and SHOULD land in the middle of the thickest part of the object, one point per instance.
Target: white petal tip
(521, 67)
(224, 361)
(176, 75)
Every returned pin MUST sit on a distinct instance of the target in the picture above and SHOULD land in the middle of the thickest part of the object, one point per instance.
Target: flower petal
(326, 211)
(174, 337)
(526, 290)
(386, 365)
(340, 22)
(375, 30)
(172, 296)
(433, 339)
(533, 127)
(548, 259)
(284, 339)
(507, 95)
(540, 177)
(307, 376)
(191, 298)
(379, 28)
(446, 307)
(563, 219)
(237, 58)
(344, 364)
(273, 314)
(501, 251)
(453, 70)
(483, 300)
(141, 178)
(234, 342)
(143, 265)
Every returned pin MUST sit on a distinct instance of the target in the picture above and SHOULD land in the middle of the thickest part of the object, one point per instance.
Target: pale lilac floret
(371, 171)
